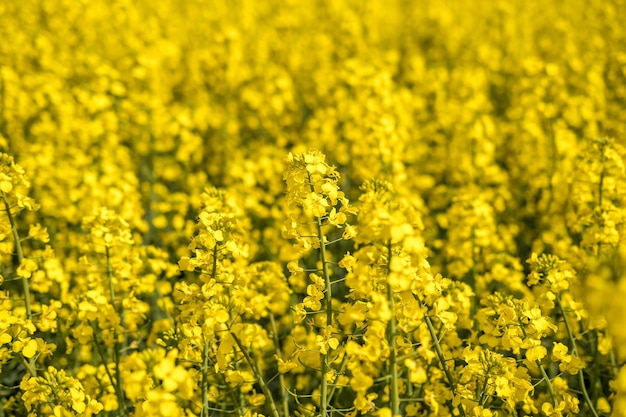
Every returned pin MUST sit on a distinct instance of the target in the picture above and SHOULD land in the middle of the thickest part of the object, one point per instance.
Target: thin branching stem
(116, 345)
(328, 295)
(581, 377)
(391, 336)
(114, 380)
(281, 378)
(20, 255)
(258, 374)
(205, 380)
(544, 375)
(442, 360)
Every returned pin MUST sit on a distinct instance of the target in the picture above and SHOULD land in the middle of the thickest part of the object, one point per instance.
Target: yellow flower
(536, 353)
(559, 351)
(549, 410)
(284, 366)
(27, 267)
(36, 231)
(30, 349)
(417, 373)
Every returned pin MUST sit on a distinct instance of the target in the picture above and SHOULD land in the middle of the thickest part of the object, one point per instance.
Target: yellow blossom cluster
(312, 209)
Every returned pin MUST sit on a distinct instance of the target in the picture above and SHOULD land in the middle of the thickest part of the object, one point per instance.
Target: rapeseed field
(308, 208)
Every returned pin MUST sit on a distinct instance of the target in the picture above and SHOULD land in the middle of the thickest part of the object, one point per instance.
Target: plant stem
(329, 316)
(114, 381)
(442, 360)
(214, 266)
(555, 402)
(391, 339)
(340, 370)
(581, 377)
(116, 345)
(257, 373)
(205, 381)
(474, 307)
(281, 378)
(328, 296)
(544, 375)
(30, 364)
(241, 403)
(20, 254)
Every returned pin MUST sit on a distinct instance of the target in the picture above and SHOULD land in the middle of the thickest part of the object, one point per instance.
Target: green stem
(391, 335)
(548, 383)
(614, 366)
(544, 375)
(20, 254)
(30, 364)
(600, 197)
(483, 398)
(581, 377)
(601, 182)
(329, 310)
(281, 378)
(116, 345)
(258, 374)
(205, 381)
(114, 381)
(442, 360)
(329, 317)
(553, 162)
(241, 401)
(474, 307)
(110, 277)
(335, 389)
(214, 267)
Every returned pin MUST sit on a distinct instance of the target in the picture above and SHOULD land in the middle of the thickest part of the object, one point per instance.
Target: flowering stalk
(29, 364)
(313, 193)
(329, 310)
(20, 254)
(205, 352)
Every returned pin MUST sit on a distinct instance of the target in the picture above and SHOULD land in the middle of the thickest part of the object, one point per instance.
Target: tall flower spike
(14, 184)
(312, 192)
(312, 199)
(312, 184)
(14, 189)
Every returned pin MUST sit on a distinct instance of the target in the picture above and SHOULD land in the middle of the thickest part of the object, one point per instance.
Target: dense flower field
(308, 208)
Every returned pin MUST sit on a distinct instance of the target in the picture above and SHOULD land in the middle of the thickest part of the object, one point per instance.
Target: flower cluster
(55, 393)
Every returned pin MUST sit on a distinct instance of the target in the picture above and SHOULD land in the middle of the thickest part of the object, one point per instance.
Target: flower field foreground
(307, 208)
